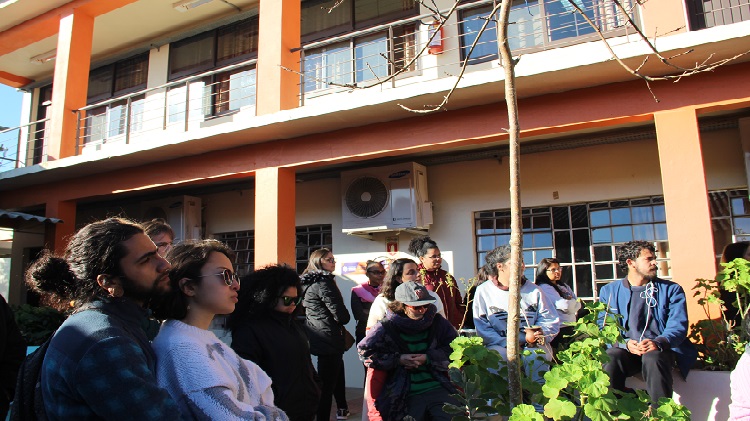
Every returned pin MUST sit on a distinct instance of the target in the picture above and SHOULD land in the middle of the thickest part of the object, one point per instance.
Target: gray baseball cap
(413, 294)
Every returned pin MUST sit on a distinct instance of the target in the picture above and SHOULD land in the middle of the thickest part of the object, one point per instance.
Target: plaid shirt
(100, 365)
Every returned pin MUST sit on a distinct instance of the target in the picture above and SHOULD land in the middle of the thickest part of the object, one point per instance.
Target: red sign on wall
(391, 245)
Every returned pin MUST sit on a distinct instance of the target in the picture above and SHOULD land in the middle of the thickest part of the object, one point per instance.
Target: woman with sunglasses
(326, 315)
(205, 376)
(548, 275)
(265, 331)
(412, 345)
(364, 294)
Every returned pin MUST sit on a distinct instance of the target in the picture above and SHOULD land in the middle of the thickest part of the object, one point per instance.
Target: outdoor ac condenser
(386, 198)
(182, 213)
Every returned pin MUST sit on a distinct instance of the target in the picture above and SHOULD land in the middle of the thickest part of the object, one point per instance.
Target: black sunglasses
(422, 307)
(227, 275)
(291, 300)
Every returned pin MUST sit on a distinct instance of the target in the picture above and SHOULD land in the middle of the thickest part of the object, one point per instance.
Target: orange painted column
(57, 235)
(279, 33)
(70, 83)
(686, 201)
(275, 233)
(664, 17)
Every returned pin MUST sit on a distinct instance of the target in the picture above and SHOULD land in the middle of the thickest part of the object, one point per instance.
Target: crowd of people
(138, 339)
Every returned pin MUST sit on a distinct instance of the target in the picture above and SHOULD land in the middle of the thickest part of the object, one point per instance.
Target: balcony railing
(23, 146)
(368, 57)
(710, 13)
(176, 106)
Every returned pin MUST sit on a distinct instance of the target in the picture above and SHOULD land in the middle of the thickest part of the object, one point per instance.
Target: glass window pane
(581, 246)
(661, 232)
(642, 214)
(579, 216)
(620, 216)
(470, 25)
(542, 254)
(622, 234)
(237, 41)
(485, 226)
(370, 54)
(584, 281)
(525, 28)
(190, 56)
(501, 240)
(644, 232)
(528, 257)
(601, 235)
(603, 254)
(542, 239)
(526, 222)
(659, 213)
(317, 18)
(599, 218)
(560, 217)
(503, 225)
(485, 243)
(529, 274)
(541, 222)
(740, 206)
(563, 22)
(605, 271)
(741, 226)
(100, 84)
(527, 243)
(562, 246)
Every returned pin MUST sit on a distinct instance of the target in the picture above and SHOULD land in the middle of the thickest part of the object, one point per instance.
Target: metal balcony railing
(180, 105)
(23, 146)
(369, 57)
(710, 13)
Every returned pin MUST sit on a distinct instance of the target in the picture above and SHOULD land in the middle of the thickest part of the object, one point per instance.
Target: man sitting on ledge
(654, 318)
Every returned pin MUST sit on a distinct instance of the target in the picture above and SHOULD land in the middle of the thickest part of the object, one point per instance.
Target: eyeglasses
(227, 275)
(291, 300)
(422, 307)
(555, 270)
(377, 272)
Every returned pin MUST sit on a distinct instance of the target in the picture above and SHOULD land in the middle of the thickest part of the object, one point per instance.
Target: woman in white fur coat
(204, 375)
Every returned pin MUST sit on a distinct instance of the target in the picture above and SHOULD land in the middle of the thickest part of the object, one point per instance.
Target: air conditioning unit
(385, 198)
(182, 213)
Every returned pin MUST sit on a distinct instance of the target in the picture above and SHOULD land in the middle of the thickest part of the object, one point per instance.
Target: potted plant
(721, 338)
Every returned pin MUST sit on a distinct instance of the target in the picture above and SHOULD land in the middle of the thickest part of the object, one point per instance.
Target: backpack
(27, 402)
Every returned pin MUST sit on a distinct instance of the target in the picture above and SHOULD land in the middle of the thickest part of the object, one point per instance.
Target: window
(220, 47)
(584, 237)
(536, 24)
(309, 239)
(117, 79)
(243, 245)
(120, 78)
(223, 92)
(40, 129)
(730, 217)
(320, 19)
(361, 59)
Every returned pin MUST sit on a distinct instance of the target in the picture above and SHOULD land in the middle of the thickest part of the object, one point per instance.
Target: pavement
(354, 397)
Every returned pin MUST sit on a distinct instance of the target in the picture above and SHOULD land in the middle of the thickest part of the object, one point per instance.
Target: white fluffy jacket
(207, 378)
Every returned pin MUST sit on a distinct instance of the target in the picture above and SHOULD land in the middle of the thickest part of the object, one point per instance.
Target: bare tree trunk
(516, 237)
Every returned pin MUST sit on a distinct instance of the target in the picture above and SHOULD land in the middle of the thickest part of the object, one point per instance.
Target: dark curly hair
(187, 258)
(96, 249)
(261, 290)
(734, 251)
(393, 278)
(631, 250)
(419, 246)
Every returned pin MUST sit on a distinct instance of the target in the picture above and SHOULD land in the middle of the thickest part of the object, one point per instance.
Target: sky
(10, 106)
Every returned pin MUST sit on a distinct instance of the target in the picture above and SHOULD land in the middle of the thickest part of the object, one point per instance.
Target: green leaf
(525, 413)
(558, 409)
(553, 384)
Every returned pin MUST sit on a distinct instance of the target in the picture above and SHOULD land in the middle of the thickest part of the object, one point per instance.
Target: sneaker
(343, 414)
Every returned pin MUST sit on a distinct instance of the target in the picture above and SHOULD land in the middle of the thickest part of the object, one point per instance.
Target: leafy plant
(37, 323)
(720, 341)
(575, 387)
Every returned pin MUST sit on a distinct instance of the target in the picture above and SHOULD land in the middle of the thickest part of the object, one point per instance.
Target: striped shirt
(421, 379)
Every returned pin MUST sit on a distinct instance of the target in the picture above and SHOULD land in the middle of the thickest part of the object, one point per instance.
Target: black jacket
(325, 313)
(278, 344)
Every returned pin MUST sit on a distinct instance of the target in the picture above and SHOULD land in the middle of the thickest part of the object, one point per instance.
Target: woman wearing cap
(205, 376)
(265, 331)
(412, 344)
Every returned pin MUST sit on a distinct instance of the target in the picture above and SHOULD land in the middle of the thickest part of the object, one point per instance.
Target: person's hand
(420, 359)
(647, 345)
(410, 361)
(534, 335)
(634, 347)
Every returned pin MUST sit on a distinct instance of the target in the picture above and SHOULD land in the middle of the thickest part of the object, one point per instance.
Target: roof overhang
(10, 219)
